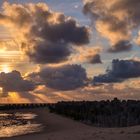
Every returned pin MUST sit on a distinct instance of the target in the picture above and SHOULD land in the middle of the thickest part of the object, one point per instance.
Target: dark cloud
(120, 71)
(66, 30)
(95, 59)
(67, 77)
(121, 46)
(46, 36)
(45, 52)
(106, 78)
(14, 82)
(114, 20)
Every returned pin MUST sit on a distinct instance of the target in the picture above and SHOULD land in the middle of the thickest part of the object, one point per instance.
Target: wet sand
(60, 128)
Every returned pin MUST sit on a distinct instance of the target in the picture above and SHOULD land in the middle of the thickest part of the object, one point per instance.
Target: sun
(5, 68)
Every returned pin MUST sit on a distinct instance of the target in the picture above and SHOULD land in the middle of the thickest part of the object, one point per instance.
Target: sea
(17, 123)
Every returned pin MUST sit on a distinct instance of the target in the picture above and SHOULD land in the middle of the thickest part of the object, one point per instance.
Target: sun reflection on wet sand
(14, 124)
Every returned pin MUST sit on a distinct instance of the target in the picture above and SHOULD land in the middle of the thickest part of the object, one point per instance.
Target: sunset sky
(53, 50)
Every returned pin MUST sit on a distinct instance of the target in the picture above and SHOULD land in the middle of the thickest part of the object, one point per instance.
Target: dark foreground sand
(60, 128)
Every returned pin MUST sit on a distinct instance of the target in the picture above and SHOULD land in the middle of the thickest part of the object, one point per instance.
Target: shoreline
(60, 128)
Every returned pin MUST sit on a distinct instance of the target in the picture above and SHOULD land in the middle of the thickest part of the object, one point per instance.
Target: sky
(54, 50)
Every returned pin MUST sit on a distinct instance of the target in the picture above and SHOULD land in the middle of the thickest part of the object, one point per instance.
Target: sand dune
(61, 128)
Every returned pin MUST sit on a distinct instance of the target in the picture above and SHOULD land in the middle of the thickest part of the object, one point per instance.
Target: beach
(56, 127)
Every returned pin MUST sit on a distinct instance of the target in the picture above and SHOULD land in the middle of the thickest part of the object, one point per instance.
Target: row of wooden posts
(22, 106)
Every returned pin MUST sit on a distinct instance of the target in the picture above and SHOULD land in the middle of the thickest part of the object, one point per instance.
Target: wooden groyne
(22, 106)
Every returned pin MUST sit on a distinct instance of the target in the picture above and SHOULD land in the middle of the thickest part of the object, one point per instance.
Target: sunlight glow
(2, 50)
(1, 91)
(5, 68)
(14, 97)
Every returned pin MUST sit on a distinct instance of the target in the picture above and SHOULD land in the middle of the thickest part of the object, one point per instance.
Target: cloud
(121, 46)
(137, 39)
(95, 59)
(45, 52)
(14, 82)
(67, 77)
(114, 20)
(120, 71)
(88, 54)
(44, 35)
(105, 78)
(128, 89)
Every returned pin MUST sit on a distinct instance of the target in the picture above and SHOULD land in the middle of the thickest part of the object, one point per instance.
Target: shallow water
(14, 124)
